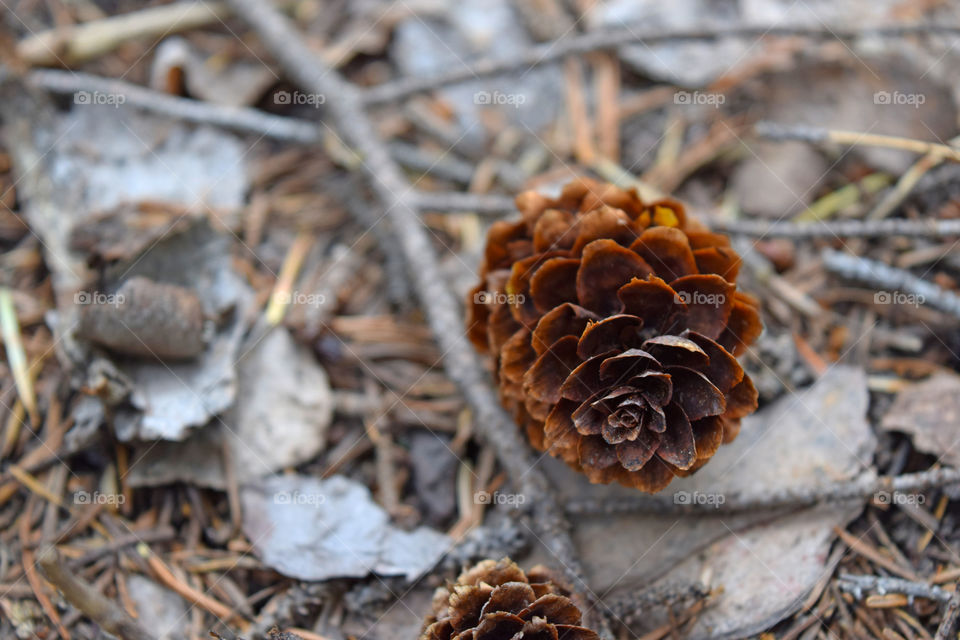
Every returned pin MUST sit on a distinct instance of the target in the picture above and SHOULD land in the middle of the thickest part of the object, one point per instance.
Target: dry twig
(606, 39)
(895, 281)
(860, 488)
(111, 618)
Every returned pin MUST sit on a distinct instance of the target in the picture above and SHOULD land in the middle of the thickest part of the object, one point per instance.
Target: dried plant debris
(320, 529)
(168, 398)
(615, 324)
(178, 67)
(198, 460)
(929, 413)
(818, 435)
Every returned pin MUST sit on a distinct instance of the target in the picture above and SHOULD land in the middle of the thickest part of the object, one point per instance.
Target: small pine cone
(614, 327)
(497, 601)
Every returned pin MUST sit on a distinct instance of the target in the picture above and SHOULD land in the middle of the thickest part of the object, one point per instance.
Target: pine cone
(496, 601)
(614, 327)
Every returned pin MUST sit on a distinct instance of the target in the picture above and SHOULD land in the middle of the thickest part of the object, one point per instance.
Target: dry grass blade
(13, 344)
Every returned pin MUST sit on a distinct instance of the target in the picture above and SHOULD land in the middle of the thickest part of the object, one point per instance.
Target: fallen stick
(897, 282)
(861, 488)
(228, 117)
(923, 228)
(461, 362)
(77, 43)
(817, 135)
(949, 621)
(605, 39)
(856, 585)
(111, 618)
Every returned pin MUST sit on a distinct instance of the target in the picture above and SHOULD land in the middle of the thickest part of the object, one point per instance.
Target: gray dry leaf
(280, 418)
(929, 412)
(764, 564)
(283, 408)
(314, 529)
(160, 610)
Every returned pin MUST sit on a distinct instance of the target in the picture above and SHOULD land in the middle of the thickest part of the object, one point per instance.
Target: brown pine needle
(185, 591)
(281, 297)
(34, 485)
(866, 550)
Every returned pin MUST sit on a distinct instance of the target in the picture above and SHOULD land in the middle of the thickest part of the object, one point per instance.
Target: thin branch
(949, 622)
(475, 202)
(613, 38)
(924, 228)
(857, 584)
(77, 43)
(92, 603)
(722, 503)
(817, 135)
(235, 118)
(462, 364)
(495, 204)
(901, 287)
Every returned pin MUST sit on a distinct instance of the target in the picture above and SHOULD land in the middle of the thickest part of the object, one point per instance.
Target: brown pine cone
(614, 327)
(497, 600)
